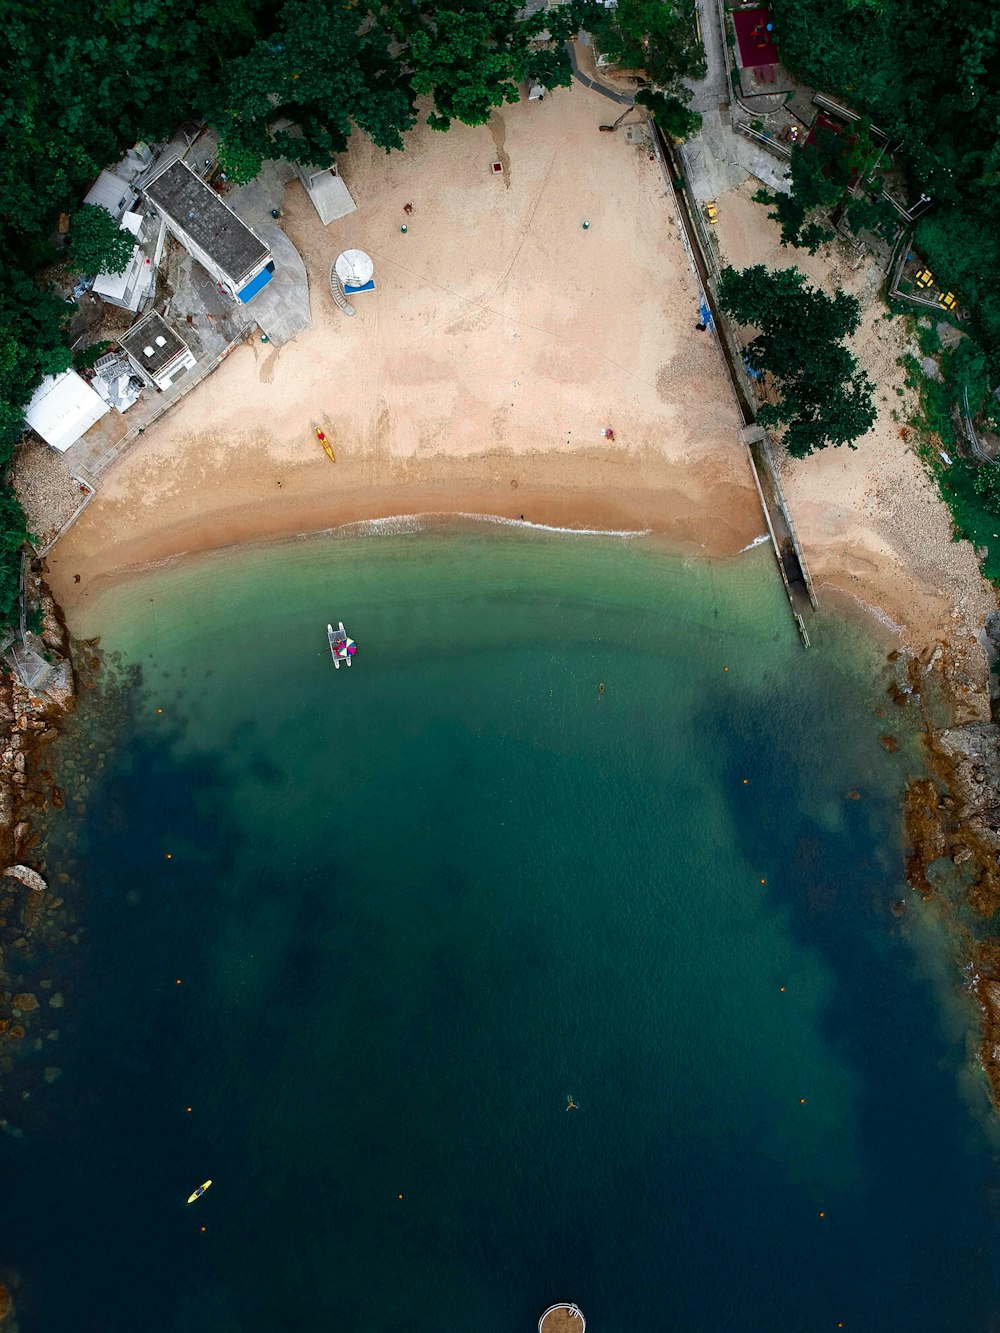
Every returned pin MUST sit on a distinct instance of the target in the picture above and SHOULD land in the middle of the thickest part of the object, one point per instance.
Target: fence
(768, 140)
(970, 432)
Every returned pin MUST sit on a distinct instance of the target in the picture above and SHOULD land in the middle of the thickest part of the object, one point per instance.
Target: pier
(781, 530)
(562, 1318)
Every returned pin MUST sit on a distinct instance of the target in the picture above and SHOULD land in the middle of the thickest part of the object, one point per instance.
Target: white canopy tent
(63, 408)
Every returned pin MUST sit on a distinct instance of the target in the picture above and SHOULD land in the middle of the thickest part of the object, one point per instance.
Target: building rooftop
(111, 193)
(152, 343)
(184, 197)
(63, 408)
(755, 35)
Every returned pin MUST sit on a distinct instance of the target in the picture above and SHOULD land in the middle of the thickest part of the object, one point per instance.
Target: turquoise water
(417, 906)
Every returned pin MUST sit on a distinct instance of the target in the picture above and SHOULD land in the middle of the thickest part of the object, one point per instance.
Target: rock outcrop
(29, 878)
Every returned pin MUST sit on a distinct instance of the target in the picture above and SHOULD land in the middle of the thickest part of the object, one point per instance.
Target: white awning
(63, 408)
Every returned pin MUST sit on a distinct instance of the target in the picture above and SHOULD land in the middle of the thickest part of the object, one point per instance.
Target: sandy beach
(502, 340)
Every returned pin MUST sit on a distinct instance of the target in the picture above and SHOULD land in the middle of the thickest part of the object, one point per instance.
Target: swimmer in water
(570, 1103)
(600, 689)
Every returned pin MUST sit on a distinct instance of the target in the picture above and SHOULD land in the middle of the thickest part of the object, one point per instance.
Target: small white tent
(63, 408)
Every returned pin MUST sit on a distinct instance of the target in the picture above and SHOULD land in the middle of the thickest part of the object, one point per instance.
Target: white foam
(626, 534)
(394, 525)
(757, 541)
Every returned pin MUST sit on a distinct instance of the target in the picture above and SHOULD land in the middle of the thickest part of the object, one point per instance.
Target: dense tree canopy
(322, 69)
(928, 73)
(670, 113)
(825, 398)
(658, 36)
(96, 242)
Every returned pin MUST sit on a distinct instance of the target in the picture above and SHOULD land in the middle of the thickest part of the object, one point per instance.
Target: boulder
(31, 879)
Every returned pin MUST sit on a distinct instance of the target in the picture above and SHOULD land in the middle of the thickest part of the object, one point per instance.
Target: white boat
(342, 649)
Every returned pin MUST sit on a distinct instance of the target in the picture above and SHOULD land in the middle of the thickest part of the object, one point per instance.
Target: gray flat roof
(154, 332)
(112, 193)
(183, 196)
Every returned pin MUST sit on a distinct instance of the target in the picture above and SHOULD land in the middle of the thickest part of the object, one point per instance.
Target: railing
(775, 145)
(970, 431)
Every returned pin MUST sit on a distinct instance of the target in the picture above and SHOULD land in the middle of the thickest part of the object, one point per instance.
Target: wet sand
(502, 341)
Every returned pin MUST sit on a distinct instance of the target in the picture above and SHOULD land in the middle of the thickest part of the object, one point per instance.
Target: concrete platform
(281, 309)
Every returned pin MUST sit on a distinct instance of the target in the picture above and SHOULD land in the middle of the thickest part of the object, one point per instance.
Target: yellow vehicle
(947, 299)
(196, 1194)
(925, 278)
(712, 211)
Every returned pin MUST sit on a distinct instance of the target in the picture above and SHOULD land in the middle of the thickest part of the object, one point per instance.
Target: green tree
(670, 113)
(658, 36)
(96, 242)
(822, 169)
(471, 56)
(825, 398)
(299, 91)
(13, 535)
(986, 482)
(31, 346)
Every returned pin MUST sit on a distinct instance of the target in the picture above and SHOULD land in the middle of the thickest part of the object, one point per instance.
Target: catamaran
(342, 649)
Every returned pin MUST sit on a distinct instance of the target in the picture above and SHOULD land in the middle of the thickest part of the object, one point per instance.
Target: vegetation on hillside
(96, 243)
(825, 399)
(658, 36)
(927, 73)
(671, 114)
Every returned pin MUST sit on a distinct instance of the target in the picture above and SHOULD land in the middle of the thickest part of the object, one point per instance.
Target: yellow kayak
(199, 1192)
(326, 445)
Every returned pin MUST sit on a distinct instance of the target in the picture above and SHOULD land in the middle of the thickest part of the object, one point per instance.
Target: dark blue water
(416, 907)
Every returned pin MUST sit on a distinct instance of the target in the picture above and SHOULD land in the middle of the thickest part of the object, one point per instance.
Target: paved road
(718, 159)
(623, 99)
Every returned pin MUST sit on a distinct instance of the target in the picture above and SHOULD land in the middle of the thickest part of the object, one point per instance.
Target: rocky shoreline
(32, 918)
(952, 817)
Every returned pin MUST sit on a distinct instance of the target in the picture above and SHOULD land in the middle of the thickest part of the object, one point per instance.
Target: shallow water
(416, 906)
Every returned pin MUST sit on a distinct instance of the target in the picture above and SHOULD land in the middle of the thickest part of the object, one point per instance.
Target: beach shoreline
(484, 379)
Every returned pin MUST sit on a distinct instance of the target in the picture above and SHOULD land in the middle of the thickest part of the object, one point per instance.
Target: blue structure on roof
(248, 292)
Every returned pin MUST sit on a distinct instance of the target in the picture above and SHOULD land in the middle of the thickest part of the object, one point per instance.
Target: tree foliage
(471, 57)
(658, 36)
(928, 74)
(96, 242)
(825, 398)
(31, 346)
(670, 113)
(822, 170)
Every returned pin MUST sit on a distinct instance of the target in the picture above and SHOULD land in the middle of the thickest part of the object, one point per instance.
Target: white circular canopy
(354, 268)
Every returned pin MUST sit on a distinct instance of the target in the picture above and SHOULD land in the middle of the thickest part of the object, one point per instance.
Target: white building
(132, 287)
(63, 408)
(110, 192)
(157, 351)
(207, 227)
